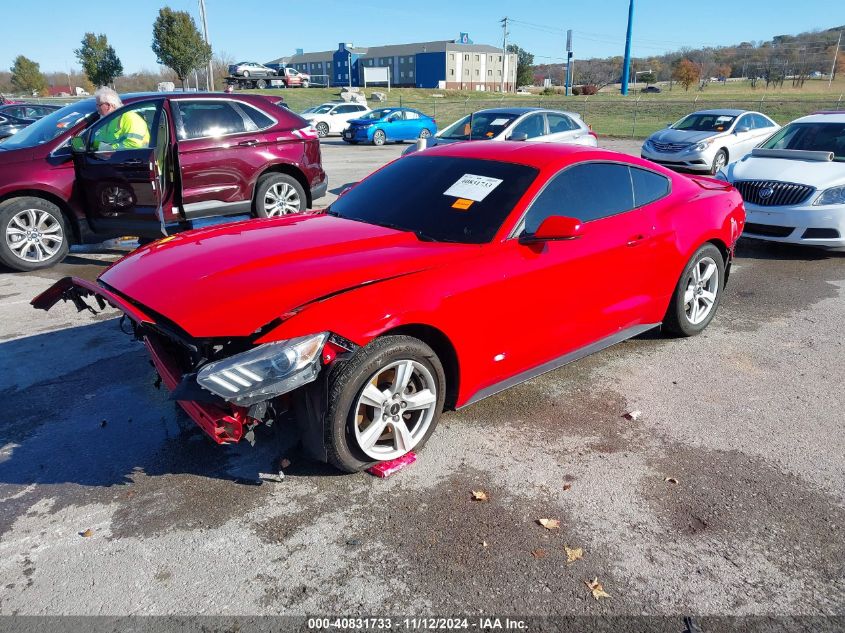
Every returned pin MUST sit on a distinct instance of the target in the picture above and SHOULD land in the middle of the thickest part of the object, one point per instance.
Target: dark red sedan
(207, 155)
(439, 280)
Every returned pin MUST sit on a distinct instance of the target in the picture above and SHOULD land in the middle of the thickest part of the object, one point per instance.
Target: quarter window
(560, 123)
(648, 186)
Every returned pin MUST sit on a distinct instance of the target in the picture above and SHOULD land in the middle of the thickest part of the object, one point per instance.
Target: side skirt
(560, 362)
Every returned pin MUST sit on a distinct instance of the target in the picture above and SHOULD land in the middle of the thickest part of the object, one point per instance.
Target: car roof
(723, 112)
(539, 155)
(515, 110)
(824, 117)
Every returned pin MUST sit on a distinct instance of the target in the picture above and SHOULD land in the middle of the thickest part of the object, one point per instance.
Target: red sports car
(442, 278)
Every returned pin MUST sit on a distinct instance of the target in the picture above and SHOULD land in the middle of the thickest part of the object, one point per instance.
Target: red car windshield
(51, 126)
(439, 198)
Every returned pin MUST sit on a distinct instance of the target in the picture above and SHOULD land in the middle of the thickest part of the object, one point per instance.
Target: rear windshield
(439, 198)
(705, 122)
(479, 126)
(51, 126)
(814, 137)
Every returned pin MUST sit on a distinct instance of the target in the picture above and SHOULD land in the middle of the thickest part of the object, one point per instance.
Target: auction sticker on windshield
(473, 187)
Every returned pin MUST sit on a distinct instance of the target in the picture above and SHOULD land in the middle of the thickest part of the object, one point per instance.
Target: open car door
(125, 181)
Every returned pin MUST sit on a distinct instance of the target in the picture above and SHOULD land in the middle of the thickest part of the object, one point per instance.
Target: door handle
(248, 143)
(132, 162)
(635, 239)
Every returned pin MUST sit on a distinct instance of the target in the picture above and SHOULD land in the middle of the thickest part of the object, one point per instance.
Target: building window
(499, 72)
(476, 72)
(466, 57)
(477, 58)
(500, 58)
(466, 71)
(451, 57)
(489, 73)
(452, 72)
(410, 73)
(402, 74)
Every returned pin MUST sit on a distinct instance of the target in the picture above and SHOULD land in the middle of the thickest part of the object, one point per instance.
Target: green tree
(524, 65)
(98, 59)
(178, 44)
(27, 76)
(648, 78)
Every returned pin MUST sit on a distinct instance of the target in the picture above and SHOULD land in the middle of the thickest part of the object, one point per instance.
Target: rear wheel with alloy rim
(697, 294)
(384, 402)
(719, 161)
(322, 129)
(278, 194)
(379, 137)
(34, 234)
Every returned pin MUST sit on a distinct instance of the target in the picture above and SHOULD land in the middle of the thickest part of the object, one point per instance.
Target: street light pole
(209, 81)
(627, 63)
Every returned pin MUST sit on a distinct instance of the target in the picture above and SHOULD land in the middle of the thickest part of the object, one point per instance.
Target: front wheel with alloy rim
(322, 129)
(384, 402)
(425, 133)
(379, 137)
(278, 194)
(719, 161)
(34, 234)
(697, 294)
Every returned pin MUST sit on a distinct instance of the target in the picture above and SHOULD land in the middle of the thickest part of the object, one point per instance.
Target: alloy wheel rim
(425, 134)
(720, 161)
(701, 290)
(378, 137)
(34, 235)
(281, 199)
(395, 409)
(322, 130)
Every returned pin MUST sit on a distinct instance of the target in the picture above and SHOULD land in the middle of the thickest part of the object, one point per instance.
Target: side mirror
(554, 228)
(741, 129)
(332, 113)
(518, 137)
(78, 143)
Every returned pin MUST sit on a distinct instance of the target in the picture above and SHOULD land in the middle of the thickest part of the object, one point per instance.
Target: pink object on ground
(385, 469)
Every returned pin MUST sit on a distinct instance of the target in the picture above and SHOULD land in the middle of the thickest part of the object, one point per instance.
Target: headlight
(834, 195)
(701, 146)
(648, 145)
(266, 371)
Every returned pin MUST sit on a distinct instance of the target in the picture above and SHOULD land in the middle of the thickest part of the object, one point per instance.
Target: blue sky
(48, 30)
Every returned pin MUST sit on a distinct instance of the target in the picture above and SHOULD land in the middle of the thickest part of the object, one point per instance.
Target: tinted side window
(203, 119)
(531, 126)
(744, 121)
(260, 119)
(587, 192)
(648, 186)
(560, 123)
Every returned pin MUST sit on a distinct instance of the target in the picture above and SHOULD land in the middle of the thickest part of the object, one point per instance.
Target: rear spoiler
(794, 154)
(76, 290)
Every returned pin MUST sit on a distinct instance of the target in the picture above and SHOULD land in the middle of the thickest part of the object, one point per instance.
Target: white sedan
(708, 140)
(793, 185)
(332, 118)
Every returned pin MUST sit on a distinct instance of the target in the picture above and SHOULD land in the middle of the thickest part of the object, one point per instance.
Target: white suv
(793, 185)
(332, 118)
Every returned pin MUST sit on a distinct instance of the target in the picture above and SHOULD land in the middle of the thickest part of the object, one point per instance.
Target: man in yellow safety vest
(127, 131)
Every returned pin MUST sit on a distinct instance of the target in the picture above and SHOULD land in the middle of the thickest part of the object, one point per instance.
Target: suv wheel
(384, 402)
(34, 234)
(278, 194)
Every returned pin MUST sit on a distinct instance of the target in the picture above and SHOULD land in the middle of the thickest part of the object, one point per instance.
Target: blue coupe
(389, 124)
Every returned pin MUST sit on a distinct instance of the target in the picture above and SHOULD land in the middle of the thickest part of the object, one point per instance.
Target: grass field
(609, 113)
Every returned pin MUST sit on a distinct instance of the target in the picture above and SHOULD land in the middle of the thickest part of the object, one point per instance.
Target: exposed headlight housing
(834, 195)
(266, 371)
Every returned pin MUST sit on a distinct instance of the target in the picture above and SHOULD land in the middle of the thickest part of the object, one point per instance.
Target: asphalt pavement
(723, 497)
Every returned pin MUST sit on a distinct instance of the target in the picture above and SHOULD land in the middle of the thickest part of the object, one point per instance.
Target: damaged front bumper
(178, 359)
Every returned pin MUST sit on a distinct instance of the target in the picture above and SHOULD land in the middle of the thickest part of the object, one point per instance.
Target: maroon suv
(208, 155)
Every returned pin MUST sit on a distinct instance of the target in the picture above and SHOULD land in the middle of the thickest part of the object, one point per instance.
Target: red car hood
(232, 279)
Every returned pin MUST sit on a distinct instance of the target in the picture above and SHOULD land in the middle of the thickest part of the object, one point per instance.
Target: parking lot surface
(725, 496)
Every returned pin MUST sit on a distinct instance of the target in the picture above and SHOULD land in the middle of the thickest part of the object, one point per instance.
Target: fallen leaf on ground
(479, 495)
(671, 480)
(549, 524)
(483, 543)
(567, 486)
(87, 533)
(633, 416)
(538, 553)
(597, 589)
(573, 554)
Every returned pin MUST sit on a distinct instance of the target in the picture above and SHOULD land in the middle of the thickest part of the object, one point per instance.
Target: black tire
(55, 225)
(677, 320)
(720, 160)
(379, 137)
(322, 129)
(268, 181)
(261, 84)
(305, 84)
(349, 381)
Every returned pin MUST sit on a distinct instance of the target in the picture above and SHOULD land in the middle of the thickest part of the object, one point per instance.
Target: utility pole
(833, 65)
(568, 61)
(209, 81)
(627, 63)
(504, 22)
